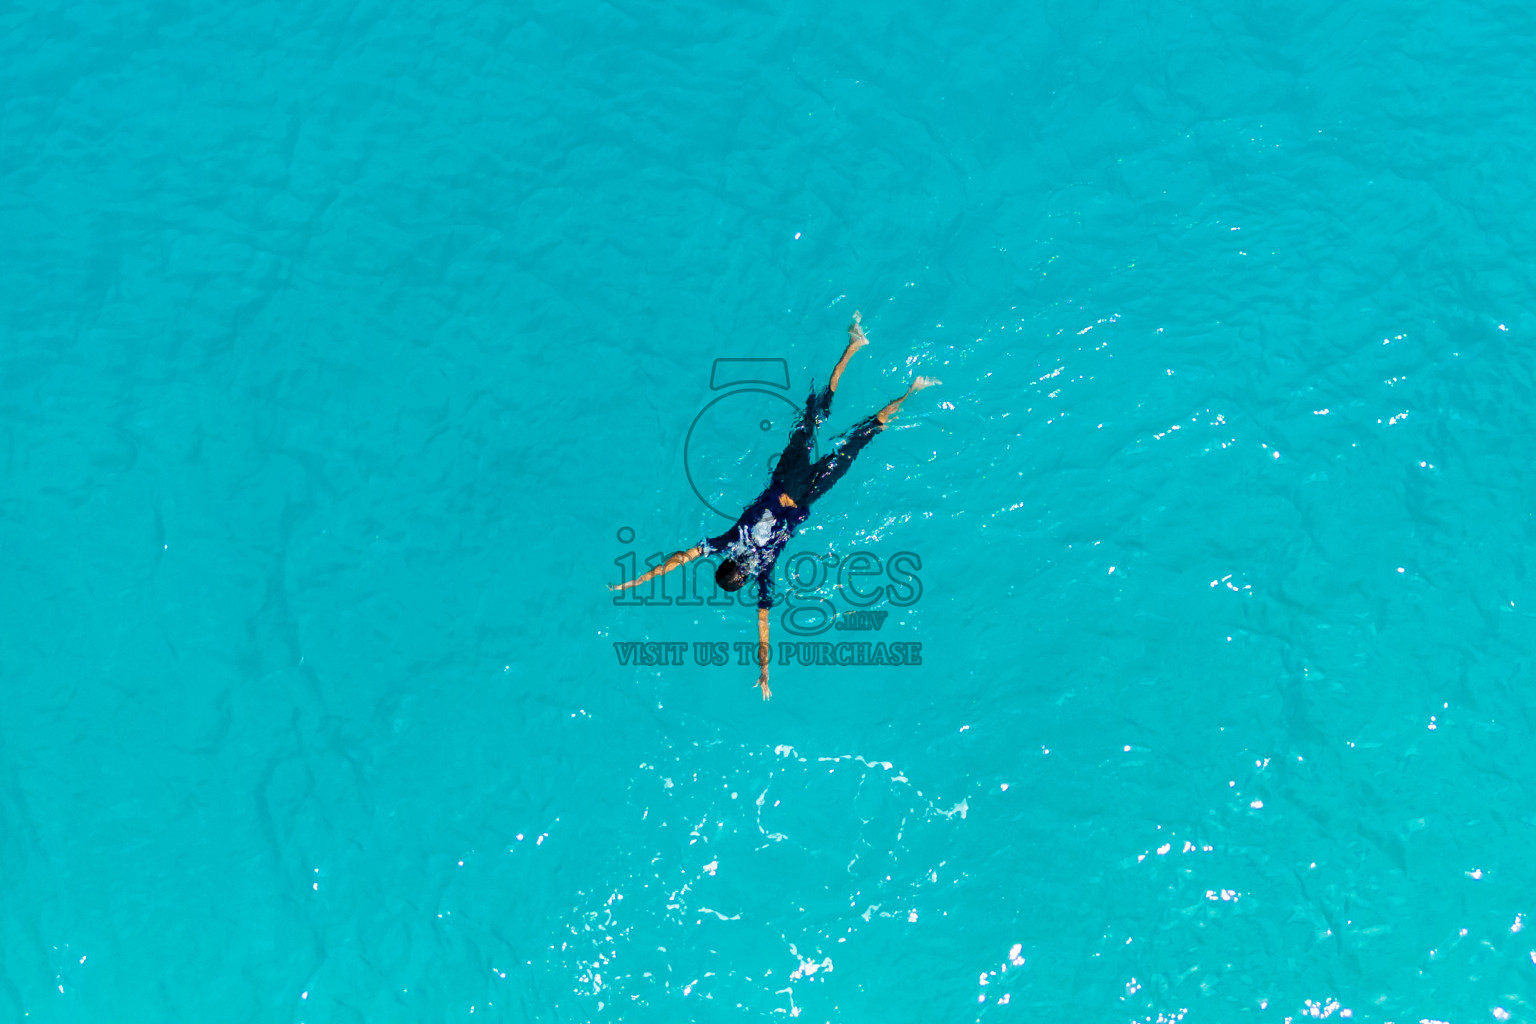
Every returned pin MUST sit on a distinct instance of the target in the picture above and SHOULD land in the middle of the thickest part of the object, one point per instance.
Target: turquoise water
(348, 351)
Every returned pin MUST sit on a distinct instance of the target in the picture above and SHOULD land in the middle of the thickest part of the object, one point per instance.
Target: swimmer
(753, 544)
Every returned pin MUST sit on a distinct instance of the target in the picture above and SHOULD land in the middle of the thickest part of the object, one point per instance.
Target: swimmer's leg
(831, 467)
(794, 472)
(917, 385)
(856, 341)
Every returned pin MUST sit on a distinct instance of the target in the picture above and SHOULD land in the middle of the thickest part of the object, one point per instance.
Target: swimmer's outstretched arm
(676, 559)
(856, 341)
(764, 652)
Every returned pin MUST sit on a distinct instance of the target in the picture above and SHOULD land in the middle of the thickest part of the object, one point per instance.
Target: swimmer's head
(729, 575)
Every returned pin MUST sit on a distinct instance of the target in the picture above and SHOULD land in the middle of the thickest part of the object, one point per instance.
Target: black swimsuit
(766, 525)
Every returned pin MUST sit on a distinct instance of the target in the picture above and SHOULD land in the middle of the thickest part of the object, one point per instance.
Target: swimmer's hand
(677, 558)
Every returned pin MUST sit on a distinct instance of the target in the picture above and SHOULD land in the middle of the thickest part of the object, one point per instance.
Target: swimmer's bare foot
(917, 385)
(856, 341)
(856, 338)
